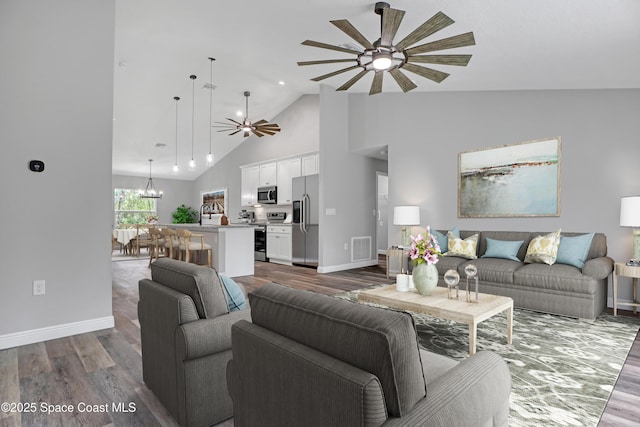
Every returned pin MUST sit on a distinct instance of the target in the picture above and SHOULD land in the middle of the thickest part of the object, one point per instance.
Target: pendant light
(150, 191)
(176, 169)
(192, 162)
(209, 161)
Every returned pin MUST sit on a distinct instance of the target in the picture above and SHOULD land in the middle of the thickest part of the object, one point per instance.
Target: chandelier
(150, 192)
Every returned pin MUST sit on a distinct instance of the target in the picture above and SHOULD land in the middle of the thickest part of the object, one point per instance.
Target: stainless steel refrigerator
(306, 212)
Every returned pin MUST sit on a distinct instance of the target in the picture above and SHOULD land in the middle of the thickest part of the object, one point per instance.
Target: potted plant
(184, 215)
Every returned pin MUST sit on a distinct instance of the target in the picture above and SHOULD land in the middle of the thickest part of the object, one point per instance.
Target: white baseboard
(352, 265)
(53, 332)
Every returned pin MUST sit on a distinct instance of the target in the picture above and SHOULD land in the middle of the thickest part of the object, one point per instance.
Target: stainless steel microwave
(268, 195)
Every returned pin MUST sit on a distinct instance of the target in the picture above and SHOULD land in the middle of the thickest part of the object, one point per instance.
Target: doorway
(382, 214)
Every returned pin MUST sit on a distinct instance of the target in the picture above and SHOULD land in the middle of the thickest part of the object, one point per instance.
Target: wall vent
(360, 248)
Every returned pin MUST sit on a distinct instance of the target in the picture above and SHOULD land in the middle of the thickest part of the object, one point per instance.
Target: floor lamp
(406, 216)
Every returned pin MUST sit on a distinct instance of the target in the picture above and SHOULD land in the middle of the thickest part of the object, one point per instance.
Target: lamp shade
(630, 211)
(406, 215)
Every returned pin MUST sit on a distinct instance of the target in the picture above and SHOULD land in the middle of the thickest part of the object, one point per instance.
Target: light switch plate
(38, 287)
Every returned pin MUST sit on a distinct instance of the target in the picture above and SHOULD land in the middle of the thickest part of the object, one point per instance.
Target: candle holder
(452, 279)
(472, 273)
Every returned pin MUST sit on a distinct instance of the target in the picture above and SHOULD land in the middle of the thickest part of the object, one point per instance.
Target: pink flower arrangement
(424, 248)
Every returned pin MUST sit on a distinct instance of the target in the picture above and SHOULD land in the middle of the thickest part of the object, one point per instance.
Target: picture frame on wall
(515, 180)
(214, 202)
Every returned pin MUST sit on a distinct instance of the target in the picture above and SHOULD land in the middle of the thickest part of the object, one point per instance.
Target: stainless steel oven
(260, 245)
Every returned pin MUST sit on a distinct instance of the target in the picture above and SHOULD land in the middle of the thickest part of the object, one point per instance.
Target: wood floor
(104, 368)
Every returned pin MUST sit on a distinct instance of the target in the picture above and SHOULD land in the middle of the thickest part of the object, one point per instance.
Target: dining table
(124, 236)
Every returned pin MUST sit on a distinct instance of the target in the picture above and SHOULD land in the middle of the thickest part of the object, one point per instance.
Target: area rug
(563, 370)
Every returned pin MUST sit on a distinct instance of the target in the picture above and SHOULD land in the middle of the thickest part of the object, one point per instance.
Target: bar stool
(188, 246)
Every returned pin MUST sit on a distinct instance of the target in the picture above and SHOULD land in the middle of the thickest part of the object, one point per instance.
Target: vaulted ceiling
(520, 45)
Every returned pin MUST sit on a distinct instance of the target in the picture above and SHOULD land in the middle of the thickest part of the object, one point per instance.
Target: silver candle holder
(472, 273)
(452, 279)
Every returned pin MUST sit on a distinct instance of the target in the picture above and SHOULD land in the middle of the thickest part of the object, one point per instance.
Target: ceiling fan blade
(233, 133)
(376, 84)
(325, 61)
(434, 24)
(231, 120)
(460, 40)
(274, 128)
(256, 133)
(353, 80)
(259, 122)
(268, 132)
(403, 81)
(335, 73)
(391, 19)
(346, 27)
(459, 60)
(435, 75)
(330, 46)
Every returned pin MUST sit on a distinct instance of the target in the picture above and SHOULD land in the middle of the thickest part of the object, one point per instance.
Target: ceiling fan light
(381, 60)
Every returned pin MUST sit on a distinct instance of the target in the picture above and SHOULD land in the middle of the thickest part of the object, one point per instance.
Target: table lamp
(630, 217)
(406, 215)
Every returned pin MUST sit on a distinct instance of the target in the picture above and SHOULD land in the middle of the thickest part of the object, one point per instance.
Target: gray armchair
(313, 360)
(185, 328)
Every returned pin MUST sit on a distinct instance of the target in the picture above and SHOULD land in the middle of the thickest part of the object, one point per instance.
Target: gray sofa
(313, 360)
(185, 328)
(557, 289)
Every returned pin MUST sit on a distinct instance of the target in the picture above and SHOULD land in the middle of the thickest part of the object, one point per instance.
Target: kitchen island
(232, 247)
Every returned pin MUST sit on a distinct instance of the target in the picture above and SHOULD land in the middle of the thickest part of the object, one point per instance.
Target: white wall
(175, 193)
(600, 132)
(57, 106)
(347, 185)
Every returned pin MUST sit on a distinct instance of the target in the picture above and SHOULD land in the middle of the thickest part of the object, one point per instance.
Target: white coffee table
(438, 305)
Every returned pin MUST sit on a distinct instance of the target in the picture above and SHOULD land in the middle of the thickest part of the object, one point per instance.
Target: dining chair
(156, 247)
(143, 238)
(188, 246)
(170, 242)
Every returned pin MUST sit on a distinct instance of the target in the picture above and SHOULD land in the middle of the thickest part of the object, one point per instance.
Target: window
(129, 208)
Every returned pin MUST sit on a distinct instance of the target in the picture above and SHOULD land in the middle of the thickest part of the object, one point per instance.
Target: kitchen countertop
(209, 226)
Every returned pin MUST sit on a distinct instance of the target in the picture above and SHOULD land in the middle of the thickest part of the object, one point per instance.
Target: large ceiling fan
(259, 128)
(383, 55)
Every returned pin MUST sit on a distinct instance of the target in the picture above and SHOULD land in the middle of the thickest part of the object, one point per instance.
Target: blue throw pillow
(443, 240)
(235, 296)
(507, 249)
(574, 250)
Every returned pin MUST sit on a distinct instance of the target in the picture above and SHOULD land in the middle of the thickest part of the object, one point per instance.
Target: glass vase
(425, 278)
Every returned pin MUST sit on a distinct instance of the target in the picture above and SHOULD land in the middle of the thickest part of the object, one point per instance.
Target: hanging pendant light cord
(193, 114)
(211, 104)
(177, 98)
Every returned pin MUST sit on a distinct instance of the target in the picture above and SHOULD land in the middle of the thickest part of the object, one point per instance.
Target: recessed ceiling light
(239, 113)
(281, 83)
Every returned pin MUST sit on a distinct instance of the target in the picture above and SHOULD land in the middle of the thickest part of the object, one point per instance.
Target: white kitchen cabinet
(287, 170)
(250, 177)
(310, 165)
(279, 244)
(268, 174)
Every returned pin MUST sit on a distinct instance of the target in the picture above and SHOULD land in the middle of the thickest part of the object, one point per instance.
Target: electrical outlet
(38, 287)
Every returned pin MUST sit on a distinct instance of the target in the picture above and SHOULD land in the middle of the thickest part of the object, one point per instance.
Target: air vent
(209, 86)
(360, 248)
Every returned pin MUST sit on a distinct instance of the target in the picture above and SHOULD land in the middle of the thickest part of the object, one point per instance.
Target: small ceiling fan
(259, 128)
(383, 55)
